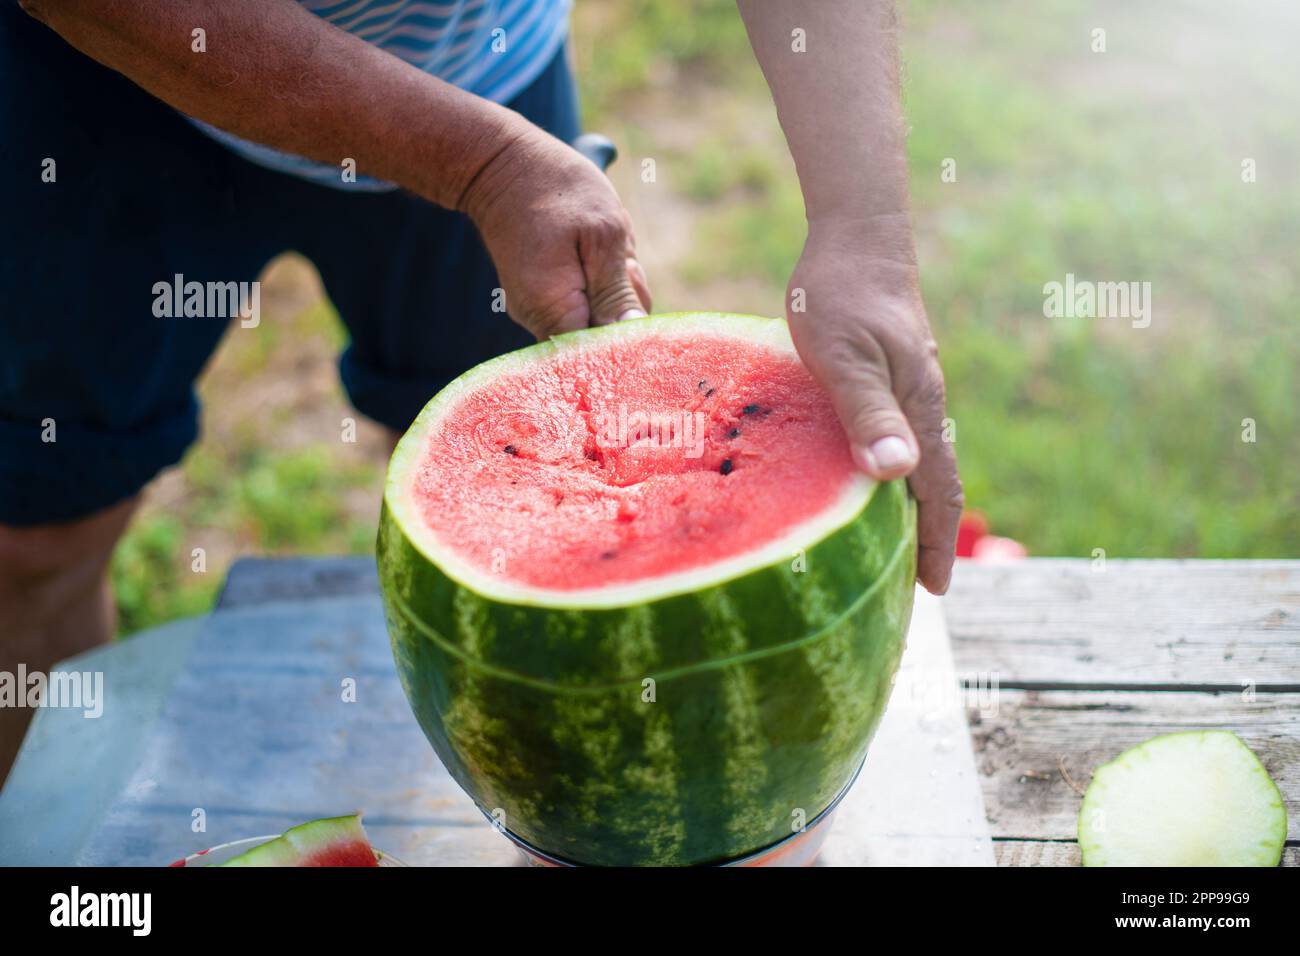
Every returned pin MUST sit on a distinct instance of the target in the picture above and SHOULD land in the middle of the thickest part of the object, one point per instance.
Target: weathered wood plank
(1026, 749)
(1137, 624)
(1035, 853)
(1032, 853)
(253, 581)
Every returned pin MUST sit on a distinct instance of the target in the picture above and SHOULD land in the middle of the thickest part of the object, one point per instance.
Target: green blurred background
(1073, 434)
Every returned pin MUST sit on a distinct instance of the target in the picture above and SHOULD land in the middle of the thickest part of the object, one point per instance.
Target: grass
(1072, 434)
(273, 503)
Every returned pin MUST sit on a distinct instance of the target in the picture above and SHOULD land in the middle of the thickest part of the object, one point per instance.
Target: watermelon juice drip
(615, 464)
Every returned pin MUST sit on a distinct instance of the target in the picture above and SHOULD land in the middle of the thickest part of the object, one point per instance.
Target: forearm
(861, 328)
(838, 104)
(278, 75)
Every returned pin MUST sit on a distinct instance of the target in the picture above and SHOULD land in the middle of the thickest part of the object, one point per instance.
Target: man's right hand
(559, 236)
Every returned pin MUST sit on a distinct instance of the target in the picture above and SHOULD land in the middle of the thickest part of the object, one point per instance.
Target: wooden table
(1065, 664)
(1091, 661)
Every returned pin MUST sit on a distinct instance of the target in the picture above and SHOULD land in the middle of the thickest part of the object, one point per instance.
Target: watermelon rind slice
(1195, 798)
(333, 841)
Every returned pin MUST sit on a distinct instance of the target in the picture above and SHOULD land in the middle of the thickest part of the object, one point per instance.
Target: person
(418, 154)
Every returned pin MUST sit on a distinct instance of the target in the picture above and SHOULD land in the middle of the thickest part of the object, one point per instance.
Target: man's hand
(864, 334)
(281, 76)
(559, 236)
(832, 67)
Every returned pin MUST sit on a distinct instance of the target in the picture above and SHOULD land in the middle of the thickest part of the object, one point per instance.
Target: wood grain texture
(1025, 751)
(253, 581)
(1137, 624)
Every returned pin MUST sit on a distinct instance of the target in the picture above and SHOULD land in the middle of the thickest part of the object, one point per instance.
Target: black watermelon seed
(726, 466)
(734, 433)
(510, 450)
(607, 555)
(709, 392)
(749, 410)
(703, 382)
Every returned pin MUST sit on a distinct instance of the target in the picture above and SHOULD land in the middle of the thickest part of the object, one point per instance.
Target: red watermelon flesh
(630, 460)
(335, 841)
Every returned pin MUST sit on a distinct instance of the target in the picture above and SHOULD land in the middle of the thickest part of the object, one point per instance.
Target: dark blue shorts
(141, 195)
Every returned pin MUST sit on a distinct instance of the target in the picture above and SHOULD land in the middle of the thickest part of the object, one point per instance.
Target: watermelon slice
(641, 601)
(1199, 798)
(335, 841)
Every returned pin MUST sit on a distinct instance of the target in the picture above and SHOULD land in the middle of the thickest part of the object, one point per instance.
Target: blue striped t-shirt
(492, 48)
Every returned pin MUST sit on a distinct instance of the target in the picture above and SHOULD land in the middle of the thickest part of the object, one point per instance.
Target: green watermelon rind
(768, 684)
(401, 607)
(600, 776)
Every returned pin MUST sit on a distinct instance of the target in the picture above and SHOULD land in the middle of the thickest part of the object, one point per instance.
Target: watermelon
(336, 841)
(642, 603)
(1196, 798)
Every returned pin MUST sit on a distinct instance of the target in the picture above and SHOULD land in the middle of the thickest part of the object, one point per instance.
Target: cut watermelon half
(335, 841)
(627, 463)
(641, 601)
(1199, 798)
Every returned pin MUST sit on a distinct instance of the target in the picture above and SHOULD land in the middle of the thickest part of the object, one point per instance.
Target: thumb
(883, 444)
(610, 290)
(882, 441)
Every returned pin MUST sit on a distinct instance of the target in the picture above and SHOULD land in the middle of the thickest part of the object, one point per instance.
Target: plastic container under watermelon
(632, 644)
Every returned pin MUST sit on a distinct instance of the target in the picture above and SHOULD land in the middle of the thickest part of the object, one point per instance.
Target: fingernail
(888, 453)
(631, 314)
